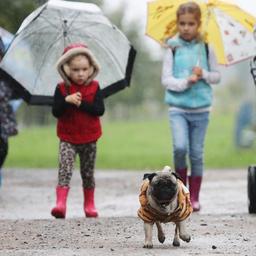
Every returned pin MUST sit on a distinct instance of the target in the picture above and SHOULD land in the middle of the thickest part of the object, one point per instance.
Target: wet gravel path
(223, 227)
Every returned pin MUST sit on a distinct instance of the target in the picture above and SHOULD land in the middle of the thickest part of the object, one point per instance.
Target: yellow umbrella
(225, 26)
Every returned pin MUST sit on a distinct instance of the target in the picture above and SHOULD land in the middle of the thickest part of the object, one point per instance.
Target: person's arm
(213, 75)
(59, 103)
(168, 80)
(2, 93)
(5, 93)
(96, 108)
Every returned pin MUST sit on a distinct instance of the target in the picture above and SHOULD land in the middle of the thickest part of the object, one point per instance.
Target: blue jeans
(188, 135)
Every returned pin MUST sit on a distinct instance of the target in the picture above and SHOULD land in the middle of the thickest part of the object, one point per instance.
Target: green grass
(131, 145)
(33, 148)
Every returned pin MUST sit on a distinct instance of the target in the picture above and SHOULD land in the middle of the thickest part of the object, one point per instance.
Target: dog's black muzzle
(166, 202)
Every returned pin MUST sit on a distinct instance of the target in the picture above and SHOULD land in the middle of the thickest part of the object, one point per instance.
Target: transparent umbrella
(6, 37)
(30, 60)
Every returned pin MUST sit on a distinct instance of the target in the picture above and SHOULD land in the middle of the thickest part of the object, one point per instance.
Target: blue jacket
(186, 56)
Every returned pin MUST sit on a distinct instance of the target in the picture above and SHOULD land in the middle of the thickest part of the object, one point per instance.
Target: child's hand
(165, 45)
(75, 98)
(197, 71)
(193, 79)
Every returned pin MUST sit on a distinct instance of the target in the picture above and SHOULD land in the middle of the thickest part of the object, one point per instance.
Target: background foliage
(141, 145)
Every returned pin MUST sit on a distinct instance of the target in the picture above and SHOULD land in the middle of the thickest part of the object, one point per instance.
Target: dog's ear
(149, 176)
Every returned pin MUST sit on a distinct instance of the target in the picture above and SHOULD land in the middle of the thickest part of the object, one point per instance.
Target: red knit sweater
(76, 126)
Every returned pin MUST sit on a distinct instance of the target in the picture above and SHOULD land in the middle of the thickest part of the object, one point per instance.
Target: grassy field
(131, 145)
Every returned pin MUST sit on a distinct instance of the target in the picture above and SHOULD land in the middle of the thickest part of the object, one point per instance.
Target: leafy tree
(13, 13)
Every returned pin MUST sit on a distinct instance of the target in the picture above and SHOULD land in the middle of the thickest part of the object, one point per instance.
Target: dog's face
(162, 191)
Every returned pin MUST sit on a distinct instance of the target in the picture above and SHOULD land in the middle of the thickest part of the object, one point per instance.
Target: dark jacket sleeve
(97, 107)
(59, 103)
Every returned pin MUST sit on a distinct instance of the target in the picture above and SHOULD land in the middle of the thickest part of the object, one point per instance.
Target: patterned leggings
(87, 156)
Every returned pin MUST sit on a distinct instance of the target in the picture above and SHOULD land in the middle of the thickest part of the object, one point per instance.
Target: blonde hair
(189, 7)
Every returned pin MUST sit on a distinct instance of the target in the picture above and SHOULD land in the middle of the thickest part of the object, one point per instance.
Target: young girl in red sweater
(78, 104)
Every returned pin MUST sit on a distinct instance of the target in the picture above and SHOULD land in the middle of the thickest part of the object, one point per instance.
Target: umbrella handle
(253, 69)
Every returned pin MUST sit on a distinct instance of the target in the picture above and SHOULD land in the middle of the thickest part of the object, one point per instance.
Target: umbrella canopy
(31, 58)
(6, 37)
(225, 26)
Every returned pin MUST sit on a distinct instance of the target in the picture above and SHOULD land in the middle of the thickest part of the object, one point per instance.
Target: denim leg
(179, 128)
(197, 131)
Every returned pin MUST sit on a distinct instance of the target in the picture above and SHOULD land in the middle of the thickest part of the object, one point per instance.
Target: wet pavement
(30, 194)
(222, 227)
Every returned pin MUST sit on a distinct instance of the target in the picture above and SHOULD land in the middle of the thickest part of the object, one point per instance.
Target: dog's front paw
(148, 245)
(176, 242)
(185, 237)
(161, 238)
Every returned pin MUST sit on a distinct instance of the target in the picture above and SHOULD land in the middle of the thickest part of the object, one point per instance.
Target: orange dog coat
(150, 215)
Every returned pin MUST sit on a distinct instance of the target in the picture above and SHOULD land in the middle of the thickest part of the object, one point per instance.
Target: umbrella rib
(45, 57)
(31, 34)
(69, 27)
(49, 23)
(71, 23)
(65, 26)
(98, 42)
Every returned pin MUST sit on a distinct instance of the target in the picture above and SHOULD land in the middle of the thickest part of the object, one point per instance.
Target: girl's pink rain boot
(89, 207)
(194, 188)
(59, 211)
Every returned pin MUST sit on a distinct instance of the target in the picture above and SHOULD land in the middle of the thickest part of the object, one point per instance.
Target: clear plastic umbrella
(30, 60)
(6, 37)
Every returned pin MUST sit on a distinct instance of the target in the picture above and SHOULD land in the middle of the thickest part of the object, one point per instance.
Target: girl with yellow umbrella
(189, 67)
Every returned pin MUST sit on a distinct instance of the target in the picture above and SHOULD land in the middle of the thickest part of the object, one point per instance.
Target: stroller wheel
(251, 189)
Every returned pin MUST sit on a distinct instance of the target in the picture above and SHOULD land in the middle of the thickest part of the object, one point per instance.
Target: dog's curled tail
(167, 169)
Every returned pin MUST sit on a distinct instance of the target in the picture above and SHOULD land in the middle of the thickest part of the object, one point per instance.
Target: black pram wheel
(251, 188)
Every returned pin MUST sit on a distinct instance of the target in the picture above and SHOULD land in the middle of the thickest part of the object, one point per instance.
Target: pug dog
(164, 198)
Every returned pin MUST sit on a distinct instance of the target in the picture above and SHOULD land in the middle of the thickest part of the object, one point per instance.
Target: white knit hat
(71, 51)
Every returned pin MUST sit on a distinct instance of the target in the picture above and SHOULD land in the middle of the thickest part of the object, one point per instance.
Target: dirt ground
(223, 226)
